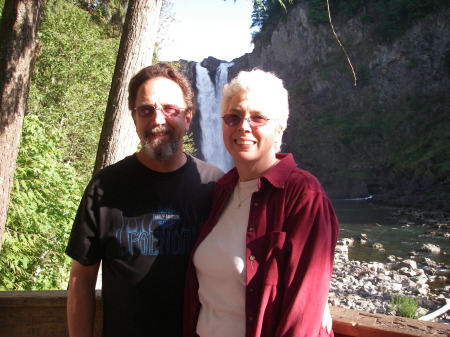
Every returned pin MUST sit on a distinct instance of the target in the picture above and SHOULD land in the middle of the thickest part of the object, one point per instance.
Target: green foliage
(108, 13)
(43, 204)
(406, 138)
(352, 128)
(266, 15)
(67, 100)
(348, 8)
(404, 306)
(391, 17)
(318, 12)
(188, 144)
(71, 80)
(390, 23)
(2, 4)
(268, 10)
(68, 96)
(426, 147)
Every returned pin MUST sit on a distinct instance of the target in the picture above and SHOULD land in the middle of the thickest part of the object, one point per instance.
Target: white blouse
(220, 264)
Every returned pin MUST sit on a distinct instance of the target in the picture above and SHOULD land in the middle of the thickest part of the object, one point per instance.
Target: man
(139, 217)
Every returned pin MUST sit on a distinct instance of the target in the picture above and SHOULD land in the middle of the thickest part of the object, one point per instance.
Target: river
(387, 227)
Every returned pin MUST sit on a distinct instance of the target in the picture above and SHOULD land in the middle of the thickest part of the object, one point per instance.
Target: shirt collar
(277, 176)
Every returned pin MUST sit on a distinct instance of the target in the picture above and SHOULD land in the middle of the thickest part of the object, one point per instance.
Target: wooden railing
(43, 314)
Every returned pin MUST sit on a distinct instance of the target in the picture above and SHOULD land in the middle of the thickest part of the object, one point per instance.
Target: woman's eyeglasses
(169, 110)
(254, 121)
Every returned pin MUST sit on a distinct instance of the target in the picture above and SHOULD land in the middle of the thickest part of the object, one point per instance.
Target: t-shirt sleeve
(83, 245)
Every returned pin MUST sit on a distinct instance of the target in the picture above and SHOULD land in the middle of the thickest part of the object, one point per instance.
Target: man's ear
(188, 118)
(133, 115)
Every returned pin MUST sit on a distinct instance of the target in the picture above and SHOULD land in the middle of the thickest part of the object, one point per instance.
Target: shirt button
(255, 204)
(250, 318)
(250, 290)
(252, 257)
(251, 229)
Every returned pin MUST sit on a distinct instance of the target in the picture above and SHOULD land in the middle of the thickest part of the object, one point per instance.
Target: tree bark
(118, 137)
(18, 35)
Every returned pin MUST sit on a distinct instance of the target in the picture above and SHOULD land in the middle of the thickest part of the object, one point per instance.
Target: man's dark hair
(161, 70)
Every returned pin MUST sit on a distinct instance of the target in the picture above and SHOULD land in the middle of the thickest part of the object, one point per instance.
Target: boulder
(430, 248)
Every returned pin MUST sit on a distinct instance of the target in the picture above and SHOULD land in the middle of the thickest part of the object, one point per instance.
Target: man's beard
(158, 149)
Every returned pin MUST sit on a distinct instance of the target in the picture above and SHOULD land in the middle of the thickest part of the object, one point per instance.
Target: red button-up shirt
(291, 237)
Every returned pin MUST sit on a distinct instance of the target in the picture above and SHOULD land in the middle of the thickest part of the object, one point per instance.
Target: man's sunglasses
(254, 121)
(169, 110)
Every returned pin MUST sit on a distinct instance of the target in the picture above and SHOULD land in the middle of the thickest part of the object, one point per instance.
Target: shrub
(404, 306)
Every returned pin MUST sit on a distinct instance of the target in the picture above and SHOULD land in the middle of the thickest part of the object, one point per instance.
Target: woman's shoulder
(303, 180)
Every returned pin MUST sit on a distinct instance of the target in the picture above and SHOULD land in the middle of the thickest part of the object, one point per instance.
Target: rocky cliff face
(390, 133)
(375, 136)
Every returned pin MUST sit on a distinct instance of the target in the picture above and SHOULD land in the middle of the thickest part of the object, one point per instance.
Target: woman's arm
(311, 235)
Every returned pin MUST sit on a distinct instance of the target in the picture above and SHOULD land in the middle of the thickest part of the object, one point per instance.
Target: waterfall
(208, 99)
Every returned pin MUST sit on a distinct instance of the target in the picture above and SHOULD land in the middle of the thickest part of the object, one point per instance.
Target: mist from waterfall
(208, 99)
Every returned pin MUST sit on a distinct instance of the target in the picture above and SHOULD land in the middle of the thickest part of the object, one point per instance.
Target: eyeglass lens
(169, 110)
(254, 121)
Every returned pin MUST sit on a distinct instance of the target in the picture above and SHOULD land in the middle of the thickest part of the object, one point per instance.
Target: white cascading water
(208, 99)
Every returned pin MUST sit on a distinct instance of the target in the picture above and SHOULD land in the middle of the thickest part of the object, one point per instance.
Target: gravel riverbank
(369, 286)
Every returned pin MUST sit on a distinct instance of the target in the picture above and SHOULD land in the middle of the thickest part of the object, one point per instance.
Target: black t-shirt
(142, 224)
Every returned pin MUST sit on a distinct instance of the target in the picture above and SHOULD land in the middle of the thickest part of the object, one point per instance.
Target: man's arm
(81, 299)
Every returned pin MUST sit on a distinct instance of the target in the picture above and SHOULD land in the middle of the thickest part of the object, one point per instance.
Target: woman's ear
(278, 137)
(279, 131)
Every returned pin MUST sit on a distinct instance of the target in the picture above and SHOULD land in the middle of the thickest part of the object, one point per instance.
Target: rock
(391, 258)
(410, 263)
(421, 279)
(362, 238)
(378, 246)
(341, 249)
(368, 286)
(211, 63)
(442, 300)
(435, 214)
(421, 312)
(429, 262)
(423, 289)
(426, 303)
(346, 241)
(431, 248)
(396, 287)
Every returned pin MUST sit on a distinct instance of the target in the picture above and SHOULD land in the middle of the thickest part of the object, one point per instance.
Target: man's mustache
(158, 131)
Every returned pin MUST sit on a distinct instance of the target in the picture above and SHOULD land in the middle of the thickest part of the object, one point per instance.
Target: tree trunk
(18, 35)
(118, 138)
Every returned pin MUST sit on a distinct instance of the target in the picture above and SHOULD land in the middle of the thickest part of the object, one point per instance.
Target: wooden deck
(43, 314)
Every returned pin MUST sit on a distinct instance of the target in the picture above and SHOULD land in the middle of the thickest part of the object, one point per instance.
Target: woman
(263, 261)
